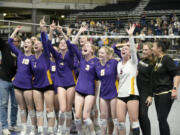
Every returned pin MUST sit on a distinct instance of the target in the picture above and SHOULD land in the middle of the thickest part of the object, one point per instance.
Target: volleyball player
(106, 69)
(53, 75)
(23, 82)
(64, 80)
(128, 96)
(42, 83)
(165, 84)
(144, 84)
(85, 88)
(82, 41)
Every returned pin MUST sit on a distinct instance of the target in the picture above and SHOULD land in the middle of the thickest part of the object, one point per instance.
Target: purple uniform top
(87, 74)
(76, 66)
(41, 66)
(107, 75)
(117, 51)
(53, 73)
(64, 67)
(23, 77)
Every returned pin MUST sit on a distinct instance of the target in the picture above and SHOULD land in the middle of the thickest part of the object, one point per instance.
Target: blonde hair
(149, 44)
(109, 51)
(29, 40)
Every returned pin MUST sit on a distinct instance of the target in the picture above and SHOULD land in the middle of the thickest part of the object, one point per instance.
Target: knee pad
(40, 129)
(69, 115)
(121, 125)
(51, 114)
(103, 122)
(23, 112)
(135, 124)
(78, 123)
(88, 122)
(115, 122)
(39, 114)
(32, 113)
(61, 115)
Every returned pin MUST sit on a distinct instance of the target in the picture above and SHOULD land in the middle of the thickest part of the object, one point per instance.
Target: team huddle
(65, 77)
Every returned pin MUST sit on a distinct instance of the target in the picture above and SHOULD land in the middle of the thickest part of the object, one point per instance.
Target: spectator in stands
(152, 25)
(170, 30)
(118, 23)
(7, 72)
(138, 27)
(158, 30)
(150, 32)
(143, 20)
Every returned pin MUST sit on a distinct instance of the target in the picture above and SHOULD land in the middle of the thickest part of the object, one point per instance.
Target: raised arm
(72, 47)
(116, 50)
(43, 36)
(81, 30)
(133, 50)
(51, 49)
(11, 39)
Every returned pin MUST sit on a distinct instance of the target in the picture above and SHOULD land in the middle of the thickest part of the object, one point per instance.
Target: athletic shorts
(126, 99)
(22, 89)
(44, 89)
(83, 94)
(67, 87)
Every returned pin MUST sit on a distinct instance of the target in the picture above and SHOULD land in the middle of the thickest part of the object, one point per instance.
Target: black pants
(163, 105)
(143, 115)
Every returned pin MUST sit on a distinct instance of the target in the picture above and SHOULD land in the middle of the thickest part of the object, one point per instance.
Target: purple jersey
(87, 74)
(23, 77)
(64, 66)
(53, 73)
(107, 75)
(41, 66)
(117, 51)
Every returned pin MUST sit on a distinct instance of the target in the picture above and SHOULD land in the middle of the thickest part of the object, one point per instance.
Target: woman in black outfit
(165, 83)
(145, 68)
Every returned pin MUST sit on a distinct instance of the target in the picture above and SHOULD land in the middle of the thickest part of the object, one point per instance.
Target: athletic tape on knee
(121, 125)
(32, 113)
(51, 114)
(23, 112)
(88, 122)
(39, 114)
(135, 124)
(69, 115)
(61, 115)
(103, 122)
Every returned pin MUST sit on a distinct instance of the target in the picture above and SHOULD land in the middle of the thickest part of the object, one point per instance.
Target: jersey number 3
(87, 68)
